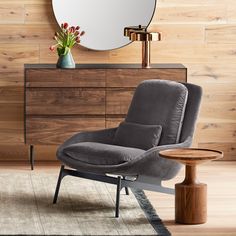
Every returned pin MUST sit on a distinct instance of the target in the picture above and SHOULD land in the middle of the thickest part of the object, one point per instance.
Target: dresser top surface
(107, 66)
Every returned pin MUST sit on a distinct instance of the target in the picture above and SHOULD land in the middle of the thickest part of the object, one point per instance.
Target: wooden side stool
(191, 195)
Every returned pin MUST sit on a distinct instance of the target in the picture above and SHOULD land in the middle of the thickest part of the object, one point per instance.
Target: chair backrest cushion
(191, 111)
(160, 102)
(137, 135)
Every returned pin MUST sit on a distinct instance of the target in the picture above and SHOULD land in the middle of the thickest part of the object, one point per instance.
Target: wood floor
(221, 180)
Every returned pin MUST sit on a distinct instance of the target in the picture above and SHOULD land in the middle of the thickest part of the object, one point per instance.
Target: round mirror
(104, 20)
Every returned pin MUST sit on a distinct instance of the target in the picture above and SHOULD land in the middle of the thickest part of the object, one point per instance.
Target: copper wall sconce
(139, 33)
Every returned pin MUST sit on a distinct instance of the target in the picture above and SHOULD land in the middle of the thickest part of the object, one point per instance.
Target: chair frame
(118, 181)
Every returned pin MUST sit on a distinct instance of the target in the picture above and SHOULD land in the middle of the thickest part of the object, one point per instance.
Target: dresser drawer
(65, 101)
(54, 130)
(118, 101)
(132, 77)
(65, 78)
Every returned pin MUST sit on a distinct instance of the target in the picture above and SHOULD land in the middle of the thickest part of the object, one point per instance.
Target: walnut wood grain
(112, 122)
(65, 78)
(55, 130)
(66, 101)
(191, 203)
(191, 155)
(118, 101)
(132, 77)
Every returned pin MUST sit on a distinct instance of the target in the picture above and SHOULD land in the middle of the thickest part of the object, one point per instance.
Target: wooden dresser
(62, 102)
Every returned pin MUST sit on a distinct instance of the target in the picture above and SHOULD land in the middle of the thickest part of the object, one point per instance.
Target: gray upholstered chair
(162, 115)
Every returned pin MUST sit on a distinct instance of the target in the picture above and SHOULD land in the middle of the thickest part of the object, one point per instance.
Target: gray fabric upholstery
(160, 103)
(149, 163)
(191, 111)
(137, 135)
(101, 154)
(99, 136)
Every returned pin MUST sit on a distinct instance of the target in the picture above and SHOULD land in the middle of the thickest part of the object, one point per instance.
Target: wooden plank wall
(201, 34)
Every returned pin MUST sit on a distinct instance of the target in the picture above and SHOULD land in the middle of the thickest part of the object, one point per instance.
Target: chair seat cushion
(101, 154)
(137, 135)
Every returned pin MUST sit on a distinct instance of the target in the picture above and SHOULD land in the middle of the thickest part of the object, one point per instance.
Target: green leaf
(60, 51)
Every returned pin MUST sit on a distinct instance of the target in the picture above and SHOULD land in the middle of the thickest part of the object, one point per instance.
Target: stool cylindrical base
(190, 203)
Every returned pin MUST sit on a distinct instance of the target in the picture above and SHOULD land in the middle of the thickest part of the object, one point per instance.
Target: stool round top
(191, 155)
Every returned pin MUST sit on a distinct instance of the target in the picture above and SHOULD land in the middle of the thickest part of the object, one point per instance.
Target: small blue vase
(66, 61)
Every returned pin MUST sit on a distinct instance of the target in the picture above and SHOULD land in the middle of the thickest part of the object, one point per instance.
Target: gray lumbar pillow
(137, 135)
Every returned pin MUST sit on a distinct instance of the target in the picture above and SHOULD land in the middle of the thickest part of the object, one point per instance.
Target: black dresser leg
(31, 156)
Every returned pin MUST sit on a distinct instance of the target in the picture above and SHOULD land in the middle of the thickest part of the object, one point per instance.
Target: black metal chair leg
(126, 188)
(60, 177)
(118, 196)
(126, 191)
(31, 156)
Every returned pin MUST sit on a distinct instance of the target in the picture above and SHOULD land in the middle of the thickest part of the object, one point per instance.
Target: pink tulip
(71, 29)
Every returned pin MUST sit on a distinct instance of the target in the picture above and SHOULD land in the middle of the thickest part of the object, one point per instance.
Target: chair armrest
(152, 165)
(100, 136)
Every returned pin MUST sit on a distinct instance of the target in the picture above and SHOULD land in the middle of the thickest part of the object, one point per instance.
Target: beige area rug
(84, 207)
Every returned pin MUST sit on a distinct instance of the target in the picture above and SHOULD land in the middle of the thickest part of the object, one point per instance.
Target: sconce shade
(140, 33)
(128, 30)
(145, 36)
